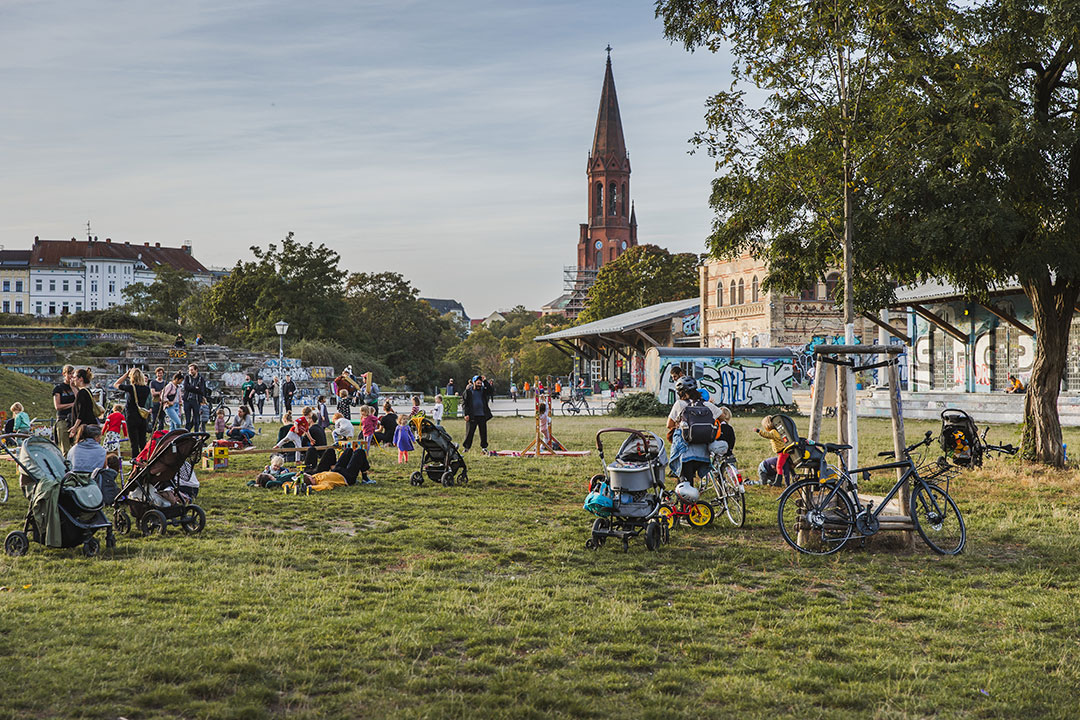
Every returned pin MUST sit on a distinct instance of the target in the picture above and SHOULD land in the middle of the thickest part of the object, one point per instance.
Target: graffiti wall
(803, 362)
(760, 379)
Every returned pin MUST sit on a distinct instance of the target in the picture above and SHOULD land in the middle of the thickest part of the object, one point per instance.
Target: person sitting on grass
(388, 422)
(20, 420)
(273, 475)
(343, 428)
(1015, 386)
(775, 470)
(88, 455)
(329, 475)
(243, 428)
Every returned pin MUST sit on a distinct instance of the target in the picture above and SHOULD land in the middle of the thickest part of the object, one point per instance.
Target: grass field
(35, 395)
(482, 601)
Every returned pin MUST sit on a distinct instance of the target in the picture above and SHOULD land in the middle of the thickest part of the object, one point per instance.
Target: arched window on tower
(731, 296)
(613, 199)
(742, 296)
(720, 294)
(754, 289)
(598, 208)
(625, 211)
(599, 258)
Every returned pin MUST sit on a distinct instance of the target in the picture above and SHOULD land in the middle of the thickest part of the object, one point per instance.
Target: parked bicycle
(818, 516)
(723, 487)
(576, 404)
(220, 400)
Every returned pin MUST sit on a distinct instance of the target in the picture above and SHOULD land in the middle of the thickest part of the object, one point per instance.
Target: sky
(444, 140)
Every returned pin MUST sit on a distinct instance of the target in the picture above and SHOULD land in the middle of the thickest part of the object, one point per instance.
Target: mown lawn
(482, 601)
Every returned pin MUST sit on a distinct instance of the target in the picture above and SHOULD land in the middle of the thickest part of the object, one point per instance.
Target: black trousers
(288, 402)
(136, 433)
(471, 427)
(352, 463)
(316, 463)
(192, 411)
(157, 418)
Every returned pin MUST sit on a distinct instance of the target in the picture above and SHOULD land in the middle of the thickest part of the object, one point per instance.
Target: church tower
(612, 226)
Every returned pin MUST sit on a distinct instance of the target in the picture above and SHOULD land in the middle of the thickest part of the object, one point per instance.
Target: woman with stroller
(83, 413)
(689, 459)
(133, 384)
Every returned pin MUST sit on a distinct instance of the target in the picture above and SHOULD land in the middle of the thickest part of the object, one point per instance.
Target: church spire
(608, 139)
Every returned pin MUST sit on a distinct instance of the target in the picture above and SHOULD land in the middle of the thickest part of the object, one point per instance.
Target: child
(437, 411)
(324, 413)
(725, 434)
(545, 428)
(403, 439)
(779, 469)
(299, 429)
(415, 406)
(204, 416)
(368, 424)
(219, 424)
(115, 429)
(344, 403)
(343, 428)
(21, 421)
(274, 474)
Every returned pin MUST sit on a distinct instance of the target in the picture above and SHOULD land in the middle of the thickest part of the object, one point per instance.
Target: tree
(162, 298)
(389, 322)
(953, 155)
(643, 275)
(300, 283)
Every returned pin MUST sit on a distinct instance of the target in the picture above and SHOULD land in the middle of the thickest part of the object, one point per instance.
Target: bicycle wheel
(585, 406)
(569, 408)
(938, 520)
(701, 514)
(811, 521)
(3, 490)
(732, 495)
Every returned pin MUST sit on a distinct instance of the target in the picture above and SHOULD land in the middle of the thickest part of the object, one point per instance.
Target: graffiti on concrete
(742, 381)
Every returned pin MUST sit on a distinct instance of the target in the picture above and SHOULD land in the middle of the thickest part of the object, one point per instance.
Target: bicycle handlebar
(909, 448)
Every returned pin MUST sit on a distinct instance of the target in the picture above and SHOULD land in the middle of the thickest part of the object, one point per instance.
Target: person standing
(172, 401)
(275, 395)
(247, 393)
(133, 384)
(63, 401)
(260, 394)
(83, 412)
(194, 396)
(475, 401)
(157, 414)
(450, 388)
(287, 392)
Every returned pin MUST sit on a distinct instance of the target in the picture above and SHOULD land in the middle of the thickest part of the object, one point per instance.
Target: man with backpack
(691, 428)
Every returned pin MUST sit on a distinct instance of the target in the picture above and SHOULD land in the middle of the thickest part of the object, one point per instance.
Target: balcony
(736, 312)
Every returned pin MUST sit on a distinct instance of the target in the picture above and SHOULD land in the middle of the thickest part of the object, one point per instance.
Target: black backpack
(700, 429)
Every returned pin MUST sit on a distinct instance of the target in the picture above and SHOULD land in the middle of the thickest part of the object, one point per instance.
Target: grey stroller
(626, 497)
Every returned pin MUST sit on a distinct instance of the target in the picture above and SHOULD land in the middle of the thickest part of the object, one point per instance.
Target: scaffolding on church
(576, 284)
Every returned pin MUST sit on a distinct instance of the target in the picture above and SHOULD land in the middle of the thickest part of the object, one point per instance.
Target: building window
(37, 286)
(742, 296)
(731, 296)
(78, 286)
(754, 289)
(831, 281)
(112, 287)
(809, 292)
(7, 306)
(624, 211)
(78, 307)
(7, 286)
(613, 199)
(52, 286)
(93, 304)
(720, 294)
(93, 286)
(127, 270)
(599, 206)
(66, 285)
(18, 286)
(64, 309)
(37, 308)
(599, 258)
(18, 307)
(52, 308)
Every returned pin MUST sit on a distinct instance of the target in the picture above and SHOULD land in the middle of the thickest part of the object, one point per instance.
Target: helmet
(685, 384)
(704, 394)
(687, 492)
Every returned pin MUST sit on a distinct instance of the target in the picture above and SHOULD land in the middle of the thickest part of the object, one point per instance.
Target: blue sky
(443, 140)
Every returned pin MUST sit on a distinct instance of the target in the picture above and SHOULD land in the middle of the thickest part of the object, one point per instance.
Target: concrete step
(983, 407)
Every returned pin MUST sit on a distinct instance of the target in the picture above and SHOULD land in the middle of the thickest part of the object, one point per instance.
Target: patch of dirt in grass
(343, 527)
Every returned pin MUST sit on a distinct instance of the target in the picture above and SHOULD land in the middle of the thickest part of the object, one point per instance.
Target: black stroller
(154, 493)
(961, 441)
(440, 458)
(626, 499)
(65, 507)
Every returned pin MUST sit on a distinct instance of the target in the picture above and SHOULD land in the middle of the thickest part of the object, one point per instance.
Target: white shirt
(343, 428)
(436, 412)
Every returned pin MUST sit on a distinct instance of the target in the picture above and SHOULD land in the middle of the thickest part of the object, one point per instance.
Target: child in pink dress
(403, 439)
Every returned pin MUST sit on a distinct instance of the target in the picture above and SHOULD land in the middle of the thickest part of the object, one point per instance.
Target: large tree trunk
(1053, 305)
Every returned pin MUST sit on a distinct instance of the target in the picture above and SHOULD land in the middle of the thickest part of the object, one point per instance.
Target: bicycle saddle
(835, 447)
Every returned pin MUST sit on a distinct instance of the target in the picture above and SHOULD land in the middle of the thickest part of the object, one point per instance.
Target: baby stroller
(153, 493)
(960, 438)
(626, 498)
(439, 456)
(65, 507)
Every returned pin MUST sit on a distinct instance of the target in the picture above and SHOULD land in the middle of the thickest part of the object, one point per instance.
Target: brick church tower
(612, 226)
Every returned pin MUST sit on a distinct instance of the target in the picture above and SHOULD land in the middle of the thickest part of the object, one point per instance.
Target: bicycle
(818, 516)
(575, 405)
(724, 481)
(220, 406)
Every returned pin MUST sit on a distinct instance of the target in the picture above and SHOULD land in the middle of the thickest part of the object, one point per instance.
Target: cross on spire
(608, 48)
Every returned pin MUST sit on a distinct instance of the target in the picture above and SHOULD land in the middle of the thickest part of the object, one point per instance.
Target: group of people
(255, 391)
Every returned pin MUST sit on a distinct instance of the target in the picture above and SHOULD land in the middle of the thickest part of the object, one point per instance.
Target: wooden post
(896, 411)
(843, 377)
(817, 397)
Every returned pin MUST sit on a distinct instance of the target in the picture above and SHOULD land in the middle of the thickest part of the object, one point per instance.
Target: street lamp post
(511, 371)
(282, 327)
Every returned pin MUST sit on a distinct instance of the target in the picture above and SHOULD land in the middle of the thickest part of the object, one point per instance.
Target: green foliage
(643, 275)
(162, 298)
(640, 404)
(298, 283)
(329, 353)
(118, 318)
(388, 321)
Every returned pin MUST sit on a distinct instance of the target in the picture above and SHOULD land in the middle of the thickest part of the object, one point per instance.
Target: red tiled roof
(46, 253)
